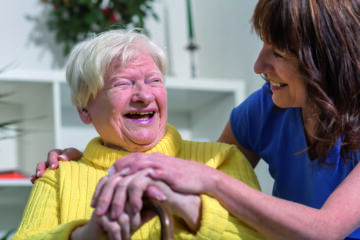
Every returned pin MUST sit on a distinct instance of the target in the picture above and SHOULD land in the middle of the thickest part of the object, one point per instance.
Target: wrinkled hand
(185, 206)
(114, 192)
(53, 158)
(181, 175)
(103, 227)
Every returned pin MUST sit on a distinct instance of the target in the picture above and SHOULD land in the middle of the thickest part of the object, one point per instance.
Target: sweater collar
(99, 155)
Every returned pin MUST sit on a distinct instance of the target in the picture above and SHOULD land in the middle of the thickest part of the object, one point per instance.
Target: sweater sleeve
(41, 216)
(214, 219)
(234, 163)
(217, 222)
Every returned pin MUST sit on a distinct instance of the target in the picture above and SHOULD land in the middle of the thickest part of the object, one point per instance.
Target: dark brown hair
(325, 37)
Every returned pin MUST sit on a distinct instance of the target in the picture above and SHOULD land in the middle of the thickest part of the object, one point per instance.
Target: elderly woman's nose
(263, 62)
(143, 93)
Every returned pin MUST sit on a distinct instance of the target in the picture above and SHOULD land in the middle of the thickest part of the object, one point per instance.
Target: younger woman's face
(282, 70)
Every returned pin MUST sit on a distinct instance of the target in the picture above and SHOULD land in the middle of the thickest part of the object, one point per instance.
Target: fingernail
(111, 171)
(62, 157)
(38, 173)
(125, 171)
(52, 166)
(162, 197)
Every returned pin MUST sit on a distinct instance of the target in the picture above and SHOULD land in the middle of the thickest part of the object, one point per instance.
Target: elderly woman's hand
(102, 227)
(185, 206)
(114, 192)
(181, 175)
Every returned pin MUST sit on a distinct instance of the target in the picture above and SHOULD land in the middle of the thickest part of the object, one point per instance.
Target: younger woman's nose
(263, 63)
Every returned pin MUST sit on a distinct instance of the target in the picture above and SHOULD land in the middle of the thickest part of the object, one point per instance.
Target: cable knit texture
(60, 200)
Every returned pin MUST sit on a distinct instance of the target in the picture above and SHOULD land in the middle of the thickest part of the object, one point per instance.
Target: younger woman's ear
(84, 115)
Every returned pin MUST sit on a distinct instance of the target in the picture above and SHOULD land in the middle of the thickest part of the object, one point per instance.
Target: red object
(12, 175)
(113, 17)
(106, 11)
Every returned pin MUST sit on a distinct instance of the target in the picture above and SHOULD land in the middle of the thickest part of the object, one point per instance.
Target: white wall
(227, 48)
(24, 43)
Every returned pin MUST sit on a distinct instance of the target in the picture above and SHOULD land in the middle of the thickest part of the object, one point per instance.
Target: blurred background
(227, 48)
(204, 84)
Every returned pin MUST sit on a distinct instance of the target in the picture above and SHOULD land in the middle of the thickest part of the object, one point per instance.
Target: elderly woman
(117, 84)
(304, 122)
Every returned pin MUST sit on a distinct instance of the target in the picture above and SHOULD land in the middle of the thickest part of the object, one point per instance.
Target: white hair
(90, 60)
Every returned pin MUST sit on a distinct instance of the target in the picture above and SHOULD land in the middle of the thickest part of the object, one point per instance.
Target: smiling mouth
(277, 84)
(140, 115)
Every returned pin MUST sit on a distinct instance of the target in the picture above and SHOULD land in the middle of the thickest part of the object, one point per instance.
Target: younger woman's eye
(278, 55)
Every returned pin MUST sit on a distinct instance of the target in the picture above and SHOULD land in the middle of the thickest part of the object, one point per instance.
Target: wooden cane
(166, 218)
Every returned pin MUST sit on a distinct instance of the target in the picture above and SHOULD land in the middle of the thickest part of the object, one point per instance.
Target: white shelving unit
(199, 108)
(13, 198)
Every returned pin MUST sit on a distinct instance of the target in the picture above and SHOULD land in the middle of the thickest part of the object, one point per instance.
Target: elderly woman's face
(130, 112)
(286, 82)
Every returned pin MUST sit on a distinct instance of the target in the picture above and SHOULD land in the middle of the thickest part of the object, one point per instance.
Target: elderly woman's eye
(122, 83)
(156, 81)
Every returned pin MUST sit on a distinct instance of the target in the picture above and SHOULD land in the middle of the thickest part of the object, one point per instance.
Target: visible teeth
(141, 113)
(276, 84)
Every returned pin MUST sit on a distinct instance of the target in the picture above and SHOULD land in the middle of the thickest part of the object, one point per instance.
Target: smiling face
(130, 112)
(286, 82)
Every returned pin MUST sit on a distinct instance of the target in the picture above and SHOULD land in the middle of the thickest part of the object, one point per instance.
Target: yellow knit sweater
(60, 200)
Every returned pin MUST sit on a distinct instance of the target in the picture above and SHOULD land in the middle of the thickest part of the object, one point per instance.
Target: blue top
(277, 136)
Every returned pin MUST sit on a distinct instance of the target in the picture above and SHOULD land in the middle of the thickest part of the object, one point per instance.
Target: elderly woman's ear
(84, 115)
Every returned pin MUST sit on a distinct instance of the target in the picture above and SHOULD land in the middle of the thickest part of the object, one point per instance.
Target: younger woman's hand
(53, 158)
(181, 175)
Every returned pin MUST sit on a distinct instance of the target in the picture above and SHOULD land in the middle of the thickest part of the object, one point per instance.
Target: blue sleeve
(247, 119)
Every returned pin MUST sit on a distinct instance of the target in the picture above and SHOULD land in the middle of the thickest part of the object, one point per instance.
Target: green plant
(72, 20)
(7, 235)
(9, 126)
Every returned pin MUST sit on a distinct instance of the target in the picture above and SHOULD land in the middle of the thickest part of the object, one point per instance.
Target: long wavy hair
(325, 37)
